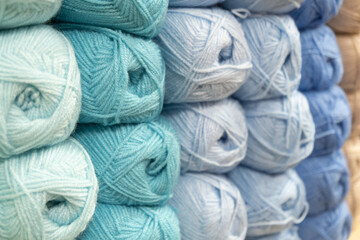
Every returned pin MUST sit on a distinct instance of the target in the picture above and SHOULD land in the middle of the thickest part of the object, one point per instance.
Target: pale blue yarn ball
(209, 142)
(263, 6)
(48, 193)
(136, 164)
(273, 202)
(122, 77)
(193, 3)
(274, 43)
(209, 207)
(206, 54)
(287, 234)
(40, 93)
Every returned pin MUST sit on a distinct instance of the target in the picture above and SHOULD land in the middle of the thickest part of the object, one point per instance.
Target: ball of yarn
(332, 117)
(40, 93)
(322, 64)
(263, 6)
(273, 202)
(48, 193)
(135, 164)
(193, 3)
(281, 133)
(132, 223)
(287, 234)
(130, 70)
(348, 18)
(354, 101)
(206, 54)
(213, 135)
(274, 43)
(139, 17)
(209, 207)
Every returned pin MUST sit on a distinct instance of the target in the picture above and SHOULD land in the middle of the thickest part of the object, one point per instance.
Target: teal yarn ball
(40, 93)
(129, 69)
(209, 207)
(48, 193)
(209, 142)
(135, 164)
(140, 17)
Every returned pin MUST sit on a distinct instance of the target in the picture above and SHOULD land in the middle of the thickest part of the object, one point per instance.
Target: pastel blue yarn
(326, 180)
(274, 43)
(287, 234)
(136, 164)
(209, 142)
(281, 133)
(116, 222)
(193, 3)
(322, 64)
(263, 6)
(122, 77)
(273, 202)
(332, 117)
(206, 54)
(209, 207)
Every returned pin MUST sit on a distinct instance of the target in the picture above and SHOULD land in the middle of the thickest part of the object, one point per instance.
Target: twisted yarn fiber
(48, 193)
(263, 6)
(209, 142)
(40, 93)
(287, 234)
(206, 54)
(209, 207)
(274, 43)
(135, 164)
(193, 3)
(130, 70)
(348, 19)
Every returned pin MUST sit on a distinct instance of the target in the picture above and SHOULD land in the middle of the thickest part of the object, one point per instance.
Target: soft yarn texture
(193, 3)
(213, 135)
(281, 133)
(116, 222)
(140, 17)
(40, 93)
(206, 54)
(322, 64)
(273, 202)
(287, 234)
(135, 164)
(354, 101)
(262, 6)
(274, 43)
(122, 77)
(209, 207)
(48, 193)
(348, 18)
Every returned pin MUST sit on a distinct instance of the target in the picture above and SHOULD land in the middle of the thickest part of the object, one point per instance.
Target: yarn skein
(137, 165)
(274, 43)
(209, 142)
(193, 3)
(48, 193)
(206, 54)
(348, 18)
(273, 202)
(281, 133)
(287, 234)
(115, 222)
(354, 101)
(262, 6)
(129, 69)
(209, 207)
(40, 94)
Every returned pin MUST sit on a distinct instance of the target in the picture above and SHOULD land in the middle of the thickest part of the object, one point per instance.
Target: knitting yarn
(135, 164)
(209, 207)
(322, 64)
(348, 19)
(354, 101)
(130, 70)
(115, 222)
(40, 93)
(206, 54)
(139, 17)
(47, 193)
(274, 43)
(273, 202)
(281, 133)
(287, 234)
(193, 3)
(262, 6)
(209, 142)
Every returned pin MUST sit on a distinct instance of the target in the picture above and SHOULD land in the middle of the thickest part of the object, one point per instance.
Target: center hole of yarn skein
(55, 203)
(225, 54)
(28, 98)
(224, 137)
(136, 75)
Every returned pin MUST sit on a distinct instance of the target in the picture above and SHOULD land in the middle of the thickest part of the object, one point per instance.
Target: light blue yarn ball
(206, 54)
(213, 135)
(140, 17)
(274, 43)
(281, 133)
(193, 3)
(116, 222)
(263, 6)
(209, 207)
(322, 64)
(40, 94)
(287, 234)
(135, 164)
(48, 193)
(122, 77)
(273, 202)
